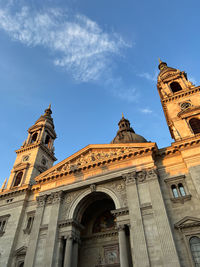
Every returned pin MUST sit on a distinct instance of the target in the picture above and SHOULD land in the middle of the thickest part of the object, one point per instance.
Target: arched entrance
(99, 245)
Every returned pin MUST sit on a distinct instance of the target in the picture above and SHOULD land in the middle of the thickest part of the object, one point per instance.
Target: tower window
(34, 138)
(195, 125)
(18, 178)
(47, 141)
(175, 87)
(195, 249)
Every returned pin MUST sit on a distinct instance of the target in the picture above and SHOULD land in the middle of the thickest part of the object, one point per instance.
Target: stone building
(127, 203)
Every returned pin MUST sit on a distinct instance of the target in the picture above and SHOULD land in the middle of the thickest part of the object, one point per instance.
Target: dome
(126, 134)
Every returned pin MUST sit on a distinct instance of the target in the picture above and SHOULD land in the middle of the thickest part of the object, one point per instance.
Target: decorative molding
(130, 178)
(41, 201)
(187, 222)
(120, 212)
(181, 199)
(70, 222)
(101, 235)
(91, 158)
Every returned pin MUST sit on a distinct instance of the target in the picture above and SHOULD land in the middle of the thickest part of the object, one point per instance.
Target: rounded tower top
(164, 69)
(126, 134)
(46, 117)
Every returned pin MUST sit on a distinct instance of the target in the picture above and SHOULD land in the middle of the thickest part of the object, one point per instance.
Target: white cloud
(146, 110)
(149, 76)
(79, 44)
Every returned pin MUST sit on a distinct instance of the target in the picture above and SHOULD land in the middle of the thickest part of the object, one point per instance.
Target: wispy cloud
(146, 110)
(120, 90)
(149, 76)
(79, 44)
(192, 79)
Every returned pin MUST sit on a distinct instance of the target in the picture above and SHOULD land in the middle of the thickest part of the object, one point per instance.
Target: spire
(122, 115)
(162, 65)
(48, 111)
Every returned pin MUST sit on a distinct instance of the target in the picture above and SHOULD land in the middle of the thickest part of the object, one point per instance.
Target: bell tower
(37, 152)
(181, 102)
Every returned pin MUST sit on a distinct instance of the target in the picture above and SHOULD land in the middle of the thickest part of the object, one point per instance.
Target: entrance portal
(99, 238)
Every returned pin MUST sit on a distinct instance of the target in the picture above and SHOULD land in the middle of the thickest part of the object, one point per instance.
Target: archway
(99, 237)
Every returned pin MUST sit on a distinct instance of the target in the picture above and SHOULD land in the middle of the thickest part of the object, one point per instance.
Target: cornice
(181, 94)
(15, 191)
(177, 146)
(35, 145)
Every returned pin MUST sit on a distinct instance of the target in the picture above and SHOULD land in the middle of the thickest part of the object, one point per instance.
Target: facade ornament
(152, 174)
(58, 197)
(93, 188)
(141, 176)
(120, 227)
(41, 200)
(130, 178)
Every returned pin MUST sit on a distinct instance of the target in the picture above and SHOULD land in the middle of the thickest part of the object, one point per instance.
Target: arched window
(18, 178)
(195, 249)
(21, 264)
(47, 141)
(195, 125)
(175, 87)
(174, 191)
(181, 190)
(34, 138)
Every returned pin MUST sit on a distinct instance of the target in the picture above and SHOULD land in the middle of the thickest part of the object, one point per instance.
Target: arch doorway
(99, 246)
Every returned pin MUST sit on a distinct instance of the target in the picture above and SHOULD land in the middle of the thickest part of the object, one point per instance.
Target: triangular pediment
(95, 155)
(187, 222)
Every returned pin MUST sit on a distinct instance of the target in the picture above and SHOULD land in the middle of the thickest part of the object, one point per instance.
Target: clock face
(26, 158)
(185, 105)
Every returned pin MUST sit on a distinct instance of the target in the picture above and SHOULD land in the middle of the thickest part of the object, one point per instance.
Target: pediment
(187, 222)
(21, 251)
(194, 110)
(20, 166)
(95, 155)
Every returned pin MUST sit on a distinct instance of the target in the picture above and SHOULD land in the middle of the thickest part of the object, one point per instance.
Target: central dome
(126, 134)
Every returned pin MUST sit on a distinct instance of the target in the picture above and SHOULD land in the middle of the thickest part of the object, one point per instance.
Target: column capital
(120, 227)
(41, 200)
(130, 178)
(152, 173)
(55, 197)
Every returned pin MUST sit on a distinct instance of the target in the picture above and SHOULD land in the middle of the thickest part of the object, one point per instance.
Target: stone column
(68, 252)
(139, 250)
(50, 250)
(32, 247)
(75, 253)
(59, 253)
(123, 251)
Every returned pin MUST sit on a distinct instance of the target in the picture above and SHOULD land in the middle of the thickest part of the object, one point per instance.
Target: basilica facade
(127, 203)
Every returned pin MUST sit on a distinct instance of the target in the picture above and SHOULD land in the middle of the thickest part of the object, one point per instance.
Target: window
(175, 87)
(195, 125)
(181, 190)
(47, 141)
(3, 222)
(178, 189)
(29, 223)
(195, 250)
(21, 264)
(18, 178)
(174, 190)
(34, 138)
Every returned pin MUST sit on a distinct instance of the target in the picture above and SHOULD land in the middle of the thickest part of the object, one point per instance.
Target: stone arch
(99, 189)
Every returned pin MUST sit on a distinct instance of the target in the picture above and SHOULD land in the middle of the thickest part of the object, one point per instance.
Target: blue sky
(92, 60)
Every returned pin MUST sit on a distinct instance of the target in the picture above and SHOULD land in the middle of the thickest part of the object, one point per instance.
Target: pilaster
(50, 251)
(138, 242)
(32, 247)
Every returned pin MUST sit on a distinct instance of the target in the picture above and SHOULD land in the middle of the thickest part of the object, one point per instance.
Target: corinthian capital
(130, 178)
(41, 200)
